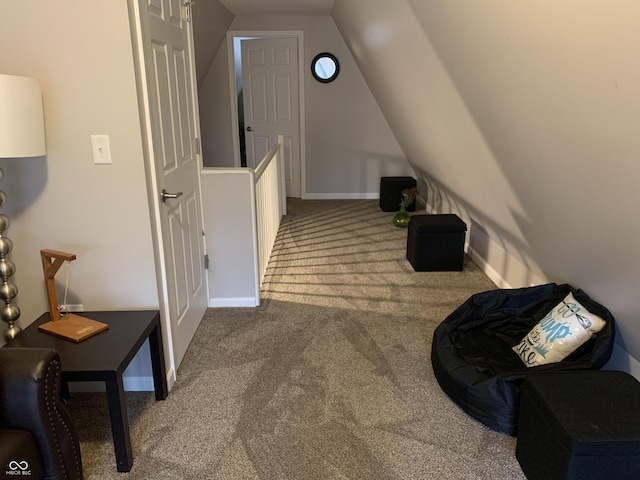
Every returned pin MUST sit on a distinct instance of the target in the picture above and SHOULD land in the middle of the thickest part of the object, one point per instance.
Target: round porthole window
(325, 67)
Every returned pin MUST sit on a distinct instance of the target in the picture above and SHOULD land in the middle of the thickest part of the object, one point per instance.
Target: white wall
(349, 145)
(215, 113)
(81, 52)
(522, 116)
(231, 235)
(211, 20)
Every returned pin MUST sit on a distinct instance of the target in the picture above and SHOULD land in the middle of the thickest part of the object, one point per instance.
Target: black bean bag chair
(472, 354)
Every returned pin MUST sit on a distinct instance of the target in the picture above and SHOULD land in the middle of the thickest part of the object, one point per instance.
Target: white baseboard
(505, 270)
(145, 384)
(171, 378)
(430, 210)
(138, 384)
(481, 262)
(488, 269)
(131, 384)
(234, 302)
(421, 204)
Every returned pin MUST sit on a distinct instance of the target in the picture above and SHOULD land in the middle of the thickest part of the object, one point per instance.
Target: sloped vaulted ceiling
(279, 7)
(524, 118)
(210, 24)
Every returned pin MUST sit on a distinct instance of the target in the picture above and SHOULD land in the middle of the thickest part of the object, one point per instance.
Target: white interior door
(271, 102)
(167, 47)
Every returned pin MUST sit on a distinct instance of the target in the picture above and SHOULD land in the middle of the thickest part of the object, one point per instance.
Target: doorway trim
(233, 92)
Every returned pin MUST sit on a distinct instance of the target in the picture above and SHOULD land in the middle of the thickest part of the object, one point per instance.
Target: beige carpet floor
(330, 378)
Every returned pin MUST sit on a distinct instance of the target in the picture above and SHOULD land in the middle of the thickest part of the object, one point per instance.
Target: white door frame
(233, 92)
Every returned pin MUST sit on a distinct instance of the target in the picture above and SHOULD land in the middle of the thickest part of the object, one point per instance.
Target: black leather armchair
(37, 437)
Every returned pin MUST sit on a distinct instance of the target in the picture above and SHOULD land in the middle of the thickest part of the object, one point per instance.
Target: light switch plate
(101, 149)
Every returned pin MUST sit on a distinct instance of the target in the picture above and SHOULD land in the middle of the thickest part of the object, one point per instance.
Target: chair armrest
(30, 400)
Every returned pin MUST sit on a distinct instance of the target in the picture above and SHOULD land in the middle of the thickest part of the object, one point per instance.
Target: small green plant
(402, 218)
(408, 197)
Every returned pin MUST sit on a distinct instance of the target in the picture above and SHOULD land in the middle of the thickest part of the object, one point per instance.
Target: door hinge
(188, 10)
(206, 262)
(198, 146)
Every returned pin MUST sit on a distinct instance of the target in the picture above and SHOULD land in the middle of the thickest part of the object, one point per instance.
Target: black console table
(104, 357)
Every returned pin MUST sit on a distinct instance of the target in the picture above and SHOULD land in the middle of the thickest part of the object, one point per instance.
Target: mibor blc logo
(18, 468)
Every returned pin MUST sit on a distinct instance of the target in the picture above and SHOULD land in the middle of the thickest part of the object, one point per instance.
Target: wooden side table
(104, 357)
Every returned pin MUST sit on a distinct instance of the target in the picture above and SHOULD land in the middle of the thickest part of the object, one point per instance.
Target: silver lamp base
(11, 332)
(9, 313)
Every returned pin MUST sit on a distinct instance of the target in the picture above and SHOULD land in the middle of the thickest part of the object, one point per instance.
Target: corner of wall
(623, 361)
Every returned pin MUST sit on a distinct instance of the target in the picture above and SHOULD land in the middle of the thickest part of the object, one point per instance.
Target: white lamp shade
(21, 117)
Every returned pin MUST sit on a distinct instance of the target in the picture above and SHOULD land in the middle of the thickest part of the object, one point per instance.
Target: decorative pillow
(559, 333)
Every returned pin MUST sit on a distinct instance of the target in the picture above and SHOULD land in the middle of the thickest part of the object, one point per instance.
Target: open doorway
(237, 61)
(266, 73)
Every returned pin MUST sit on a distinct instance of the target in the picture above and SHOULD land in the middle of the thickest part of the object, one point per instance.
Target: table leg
(119, 422)
(157, 364)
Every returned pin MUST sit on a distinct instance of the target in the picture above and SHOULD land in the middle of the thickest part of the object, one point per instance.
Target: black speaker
(391, 193)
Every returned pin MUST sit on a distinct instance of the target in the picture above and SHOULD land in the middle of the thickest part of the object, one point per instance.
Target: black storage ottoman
(579, 426)
(391, 193)
(436, 242)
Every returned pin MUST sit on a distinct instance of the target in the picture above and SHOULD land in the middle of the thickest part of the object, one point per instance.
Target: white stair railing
(270, 200)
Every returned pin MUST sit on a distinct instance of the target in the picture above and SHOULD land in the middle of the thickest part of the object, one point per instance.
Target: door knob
(164, 195)
(249, 129)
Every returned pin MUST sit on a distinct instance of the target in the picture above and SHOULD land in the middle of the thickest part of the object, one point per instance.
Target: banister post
(283, 183)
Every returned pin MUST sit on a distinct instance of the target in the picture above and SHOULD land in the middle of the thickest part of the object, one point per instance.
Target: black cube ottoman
(391, 193)
(580, 425)
(436, 242)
